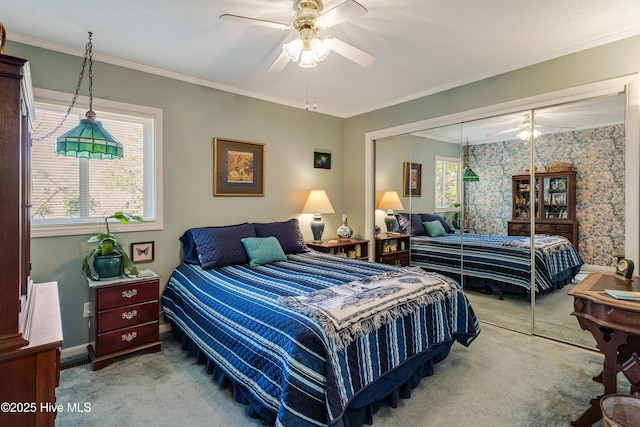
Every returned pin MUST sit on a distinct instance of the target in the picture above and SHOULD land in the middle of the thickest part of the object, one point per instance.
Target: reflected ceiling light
(468, 175)
(525, 134)
(89, 139)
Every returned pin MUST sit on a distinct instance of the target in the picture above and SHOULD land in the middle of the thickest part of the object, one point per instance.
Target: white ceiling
(576, 115)
(421, 46)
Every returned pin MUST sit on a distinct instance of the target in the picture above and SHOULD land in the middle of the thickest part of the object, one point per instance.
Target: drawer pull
(129, 337)
(129, 315)
(130, 293)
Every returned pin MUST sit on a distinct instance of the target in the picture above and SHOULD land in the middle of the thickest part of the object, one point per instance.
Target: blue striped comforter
(292, 373)
(486, 261)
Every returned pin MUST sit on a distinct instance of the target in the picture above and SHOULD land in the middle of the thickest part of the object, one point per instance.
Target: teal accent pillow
(433, 228)
(263, 250)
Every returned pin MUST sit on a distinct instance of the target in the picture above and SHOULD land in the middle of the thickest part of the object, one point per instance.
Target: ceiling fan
(308, 19)
(524, 129)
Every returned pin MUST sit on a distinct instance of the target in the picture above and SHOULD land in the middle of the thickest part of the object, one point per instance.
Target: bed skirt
(497, 286)
(386, 390)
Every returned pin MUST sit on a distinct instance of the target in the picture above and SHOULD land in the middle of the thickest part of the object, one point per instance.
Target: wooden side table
(352, 248)
(615, 324)
(393, 249)
(126, 314)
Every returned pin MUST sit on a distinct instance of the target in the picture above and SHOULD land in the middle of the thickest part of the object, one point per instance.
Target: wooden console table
(615, 324)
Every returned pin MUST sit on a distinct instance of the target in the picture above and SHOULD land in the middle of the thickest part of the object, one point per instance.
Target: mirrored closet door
(554, 170)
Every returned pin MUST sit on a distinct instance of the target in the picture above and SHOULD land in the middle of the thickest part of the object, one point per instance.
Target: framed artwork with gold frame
(412, 179)
(238, 168)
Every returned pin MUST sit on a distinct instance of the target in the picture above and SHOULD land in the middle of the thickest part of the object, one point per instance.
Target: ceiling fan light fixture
(293, 49)
(525, 134)
(308, 52)
(320, 48)
(307, 59)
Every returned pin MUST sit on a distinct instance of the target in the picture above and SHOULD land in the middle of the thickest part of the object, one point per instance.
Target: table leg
(608, 341)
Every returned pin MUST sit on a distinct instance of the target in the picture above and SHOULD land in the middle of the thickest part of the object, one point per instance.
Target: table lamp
(390, 201)
(317, 204)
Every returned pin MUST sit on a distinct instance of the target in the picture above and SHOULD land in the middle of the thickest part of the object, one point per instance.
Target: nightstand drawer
(121, 295)
(129, 315)
(127, 338)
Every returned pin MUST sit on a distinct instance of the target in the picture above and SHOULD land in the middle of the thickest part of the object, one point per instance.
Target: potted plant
(455, 218)
(109, 259)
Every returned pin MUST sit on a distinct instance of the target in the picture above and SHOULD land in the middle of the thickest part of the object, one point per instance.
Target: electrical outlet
(88, 310)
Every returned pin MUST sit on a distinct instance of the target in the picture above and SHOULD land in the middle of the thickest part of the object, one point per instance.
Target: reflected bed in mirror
(589, 133)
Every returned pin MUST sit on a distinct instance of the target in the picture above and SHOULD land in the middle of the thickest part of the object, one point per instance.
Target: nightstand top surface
(387, 236)
(145, 274)
(336, 242)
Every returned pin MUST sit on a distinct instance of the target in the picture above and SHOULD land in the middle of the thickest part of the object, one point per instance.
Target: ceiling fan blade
(502, 132)
(255, 21)
(351, 53)
(341, 13)
(279, 63)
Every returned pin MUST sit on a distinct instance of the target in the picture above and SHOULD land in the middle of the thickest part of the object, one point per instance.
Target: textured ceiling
(421, 46)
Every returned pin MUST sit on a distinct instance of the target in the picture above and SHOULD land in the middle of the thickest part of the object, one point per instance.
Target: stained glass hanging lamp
(89, 139)
(469, 175)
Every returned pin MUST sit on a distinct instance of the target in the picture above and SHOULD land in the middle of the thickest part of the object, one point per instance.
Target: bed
(499, 263)
(279, 360)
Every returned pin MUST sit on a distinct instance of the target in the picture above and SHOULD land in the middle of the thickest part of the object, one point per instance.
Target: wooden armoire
(30, 324)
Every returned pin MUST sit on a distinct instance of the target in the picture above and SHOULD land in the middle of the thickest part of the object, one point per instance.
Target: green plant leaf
(107, 244)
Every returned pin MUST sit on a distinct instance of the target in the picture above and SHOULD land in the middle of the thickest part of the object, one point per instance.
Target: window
(447, 182)
(71, 195)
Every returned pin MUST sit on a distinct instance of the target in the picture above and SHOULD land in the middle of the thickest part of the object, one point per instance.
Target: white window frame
(458, 182)
(65, 228)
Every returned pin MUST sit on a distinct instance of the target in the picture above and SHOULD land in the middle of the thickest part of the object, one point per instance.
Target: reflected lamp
(390, 201)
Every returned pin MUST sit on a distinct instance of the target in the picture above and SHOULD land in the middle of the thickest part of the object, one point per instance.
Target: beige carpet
(503, 379)
(553, 317)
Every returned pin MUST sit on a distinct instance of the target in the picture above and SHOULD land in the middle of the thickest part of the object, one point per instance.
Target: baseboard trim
(79, 350)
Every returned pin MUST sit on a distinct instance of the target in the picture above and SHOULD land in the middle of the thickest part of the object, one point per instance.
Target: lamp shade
(89, 140)
(390, 201)
(469, 175)
(318, 203)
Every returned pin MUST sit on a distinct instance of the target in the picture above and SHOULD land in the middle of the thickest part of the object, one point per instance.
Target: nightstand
(126, 317)
(352, 248)
(393, 249)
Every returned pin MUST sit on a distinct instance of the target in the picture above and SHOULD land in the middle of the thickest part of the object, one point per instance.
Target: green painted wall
(193, 116)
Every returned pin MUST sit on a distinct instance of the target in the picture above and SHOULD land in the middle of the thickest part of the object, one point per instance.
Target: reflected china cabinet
(30, 324)
(554, 200)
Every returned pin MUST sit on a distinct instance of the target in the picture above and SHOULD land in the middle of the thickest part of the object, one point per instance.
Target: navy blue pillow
(189, 248)
(434, 217)
(287, 232)
(410, 224)
(220, 246)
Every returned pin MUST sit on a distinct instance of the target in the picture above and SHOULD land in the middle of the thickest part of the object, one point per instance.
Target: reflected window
(447, 179)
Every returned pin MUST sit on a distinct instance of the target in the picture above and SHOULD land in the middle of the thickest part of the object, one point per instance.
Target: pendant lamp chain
(88, 55)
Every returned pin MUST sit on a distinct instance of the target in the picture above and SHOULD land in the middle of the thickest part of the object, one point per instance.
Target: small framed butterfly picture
(142, 252)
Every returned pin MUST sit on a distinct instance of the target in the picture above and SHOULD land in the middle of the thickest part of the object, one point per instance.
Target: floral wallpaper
(598, 158)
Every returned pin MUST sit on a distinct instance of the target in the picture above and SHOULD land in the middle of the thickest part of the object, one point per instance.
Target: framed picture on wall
(321, 160)
(238, 168)
(142, 252)
(412, 178)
